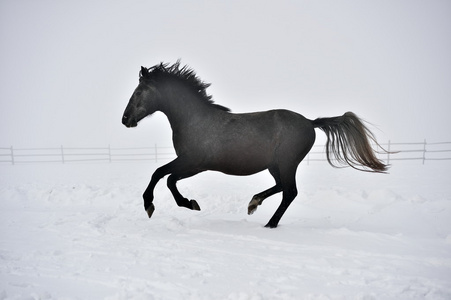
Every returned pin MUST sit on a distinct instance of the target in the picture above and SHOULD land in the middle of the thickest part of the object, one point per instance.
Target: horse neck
(185, 111)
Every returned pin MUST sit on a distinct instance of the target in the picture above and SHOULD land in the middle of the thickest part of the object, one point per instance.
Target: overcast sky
(68, 68)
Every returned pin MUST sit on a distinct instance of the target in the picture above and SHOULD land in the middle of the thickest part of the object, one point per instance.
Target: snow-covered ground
(79, 231)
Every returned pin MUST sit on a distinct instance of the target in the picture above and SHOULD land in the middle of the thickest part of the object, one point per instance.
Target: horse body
(243, 144)
(207, 136)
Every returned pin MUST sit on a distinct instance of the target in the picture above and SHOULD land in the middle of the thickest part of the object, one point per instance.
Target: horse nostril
(124, 120)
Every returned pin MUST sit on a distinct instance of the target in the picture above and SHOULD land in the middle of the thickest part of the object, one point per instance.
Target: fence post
(109, 152)
(12, 155)
(156, 153)
(62, 154)
(388, 152)
(424, 151)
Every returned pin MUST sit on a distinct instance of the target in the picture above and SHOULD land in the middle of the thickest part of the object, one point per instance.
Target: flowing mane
(185, 74)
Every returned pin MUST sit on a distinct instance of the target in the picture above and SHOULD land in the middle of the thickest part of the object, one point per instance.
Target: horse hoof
(150, 210)
(270, 225)
(194, 205)
(251, 209)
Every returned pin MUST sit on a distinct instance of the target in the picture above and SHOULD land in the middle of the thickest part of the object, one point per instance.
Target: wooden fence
(421, 151)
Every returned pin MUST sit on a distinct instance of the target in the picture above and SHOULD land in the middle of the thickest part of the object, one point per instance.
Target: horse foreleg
(179, 199)
(258, 198)
(148, 193)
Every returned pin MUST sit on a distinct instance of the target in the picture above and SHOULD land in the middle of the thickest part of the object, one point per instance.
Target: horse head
(143, 102)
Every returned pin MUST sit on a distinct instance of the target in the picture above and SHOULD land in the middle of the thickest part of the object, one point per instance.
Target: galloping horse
(208, 136)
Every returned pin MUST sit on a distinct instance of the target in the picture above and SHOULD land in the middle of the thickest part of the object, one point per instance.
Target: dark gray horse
(207, 136)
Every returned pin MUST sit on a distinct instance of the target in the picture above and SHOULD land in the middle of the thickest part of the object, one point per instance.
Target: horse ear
(144, 71)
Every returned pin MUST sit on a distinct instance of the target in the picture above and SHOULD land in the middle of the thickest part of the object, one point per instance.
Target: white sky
(68, 68)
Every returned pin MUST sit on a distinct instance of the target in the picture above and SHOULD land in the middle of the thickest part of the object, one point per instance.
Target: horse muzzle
(129, 122)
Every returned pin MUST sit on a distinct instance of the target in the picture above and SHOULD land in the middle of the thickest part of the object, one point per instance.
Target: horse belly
(242, 158)
(239, 167)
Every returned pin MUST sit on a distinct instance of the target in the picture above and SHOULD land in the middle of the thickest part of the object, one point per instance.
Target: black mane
(185, 74)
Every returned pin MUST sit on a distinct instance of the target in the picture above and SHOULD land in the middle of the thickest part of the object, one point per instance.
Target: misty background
(68, 68)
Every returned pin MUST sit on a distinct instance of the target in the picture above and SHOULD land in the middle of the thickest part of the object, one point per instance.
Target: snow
(79, 231)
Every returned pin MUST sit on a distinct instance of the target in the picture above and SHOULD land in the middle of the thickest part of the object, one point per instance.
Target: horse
(207, 136)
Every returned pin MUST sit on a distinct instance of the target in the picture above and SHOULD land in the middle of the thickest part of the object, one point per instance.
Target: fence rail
(421, 151)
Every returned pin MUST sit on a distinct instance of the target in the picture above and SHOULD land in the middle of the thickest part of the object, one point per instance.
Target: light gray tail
(349, 140)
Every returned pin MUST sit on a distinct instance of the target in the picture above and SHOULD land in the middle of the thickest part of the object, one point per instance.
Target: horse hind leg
(288, 184)
(288, 164)
(260, 197)
(288, 196)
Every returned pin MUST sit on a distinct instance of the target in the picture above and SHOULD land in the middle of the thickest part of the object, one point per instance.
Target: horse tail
(349, 140)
